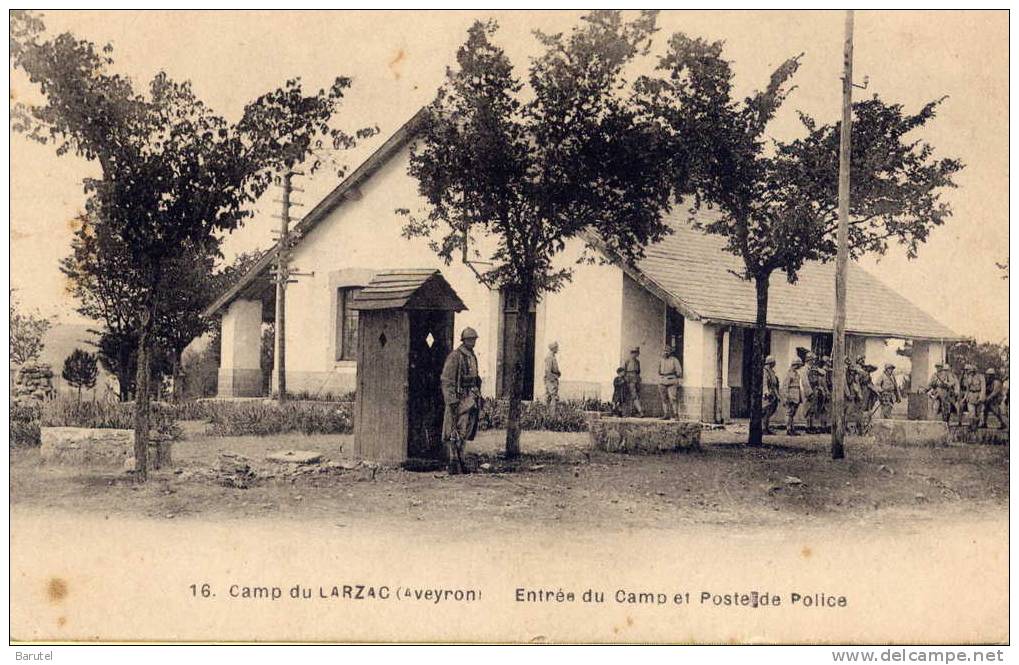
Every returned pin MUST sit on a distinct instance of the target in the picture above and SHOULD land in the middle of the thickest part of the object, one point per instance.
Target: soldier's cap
(770, 360)
(797, 363)
(991, 370)
(635, 349)
(620, 369)
(469, 333)
(667, 348)
(810, 356)
(860, 358)
(939, 365)
(553, 345)
(889, 366)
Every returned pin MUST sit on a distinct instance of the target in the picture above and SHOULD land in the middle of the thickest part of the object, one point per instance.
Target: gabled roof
(423, 288)
(332, 200)
(694, 269)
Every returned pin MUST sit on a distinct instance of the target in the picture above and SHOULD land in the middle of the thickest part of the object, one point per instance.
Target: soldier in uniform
(995, 395)
(632, 368)
(941, 390)
(461, 392)
(816, 385)
(888, 390)
(972, 395)
(670, 371)
(552, 375)
(771, 392)
(794, 393)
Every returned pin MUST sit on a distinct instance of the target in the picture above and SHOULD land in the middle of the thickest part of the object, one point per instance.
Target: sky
(397, 60)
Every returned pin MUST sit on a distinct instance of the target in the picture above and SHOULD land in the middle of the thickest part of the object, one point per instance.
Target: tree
(174, 176)
(521, 172)
(27, 330)
(80, 370)
(777, 201)
(983, 355)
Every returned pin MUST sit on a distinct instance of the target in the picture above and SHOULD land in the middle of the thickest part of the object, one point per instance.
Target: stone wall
(643, 435)
(88, 447)
(33, 382)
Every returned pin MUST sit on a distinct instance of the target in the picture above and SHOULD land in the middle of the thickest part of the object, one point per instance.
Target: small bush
(193, 409)
(569, 416)
(24, 424)
(265, 418)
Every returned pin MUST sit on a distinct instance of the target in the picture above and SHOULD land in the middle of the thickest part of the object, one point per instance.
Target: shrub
(24, 424)
(263, 418)
(67, 412)
(569, 416)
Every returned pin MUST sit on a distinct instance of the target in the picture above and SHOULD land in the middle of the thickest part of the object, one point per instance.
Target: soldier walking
(942, 390)
(461, 392)
(816, 386)
(888, 390)
(972, 396)
(995, 395)
(632, 370)
(793, 389)
(670, 371)
(552, 375)
(771, 392)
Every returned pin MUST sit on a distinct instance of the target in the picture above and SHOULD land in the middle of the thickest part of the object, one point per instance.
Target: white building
(682, 293)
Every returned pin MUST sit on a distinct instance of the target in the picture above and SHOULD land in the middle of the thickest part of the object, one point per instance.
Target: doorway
(431, 333)
(514, 322)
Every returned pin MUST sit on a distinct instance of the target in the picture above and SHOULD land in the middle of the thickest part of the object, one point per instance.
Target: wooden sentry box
(405, 332)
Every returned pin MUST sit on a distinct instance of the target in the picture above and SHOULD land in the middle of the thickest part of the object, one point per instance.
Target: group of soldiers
(810, 381)
(627, 384)
(979, 394)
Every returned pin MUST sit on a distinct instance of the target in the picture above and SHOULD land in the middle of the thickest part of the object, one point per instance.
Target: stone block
(910, 432)
(643, 435)
(105, 448)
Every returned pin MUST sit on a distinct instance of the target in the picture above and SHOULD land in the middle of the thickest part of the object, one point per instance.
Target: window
(346, 324)
(674, 332)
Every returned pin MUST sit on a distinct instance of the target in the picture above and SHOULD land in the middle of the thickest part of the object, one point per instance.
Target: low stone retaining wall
(910, 432)
(88, 447)
(643, 435)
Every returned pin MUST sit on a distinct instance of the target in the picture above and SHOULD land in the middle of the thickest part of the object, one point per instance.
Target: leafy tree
(777, 201)
(984, 355)
(174, 176)
(521, 170)
(81, 370)
(27, 330)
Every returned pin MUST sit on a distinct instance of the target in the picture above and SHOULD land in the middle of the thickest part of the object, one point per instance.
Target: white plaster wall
(585, 317)
(643, 325)
(241, 341)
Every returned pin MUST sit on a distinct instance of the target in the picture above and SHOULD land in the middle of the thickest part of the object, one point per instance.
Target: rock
(485, 467)
(793, 480)
(295, 457)
(536, 467)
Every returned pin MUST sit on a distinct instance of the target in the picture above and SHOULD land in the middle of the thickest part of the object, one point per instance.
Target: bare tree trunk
(756, 436)
(517, 382)
(142, 397)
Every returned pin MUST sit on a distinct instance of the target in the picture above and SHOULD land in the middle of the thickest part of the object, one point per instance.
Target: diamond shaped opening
(382, 339)
(429, 340)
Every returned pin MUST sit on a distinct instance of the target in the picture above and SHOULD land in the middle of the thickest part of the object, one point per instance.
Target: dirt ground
(560, 482)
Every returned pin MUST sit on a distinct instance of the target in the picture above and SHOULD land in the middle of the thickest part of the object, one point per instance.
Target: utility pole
(283, 275)
(838, 430)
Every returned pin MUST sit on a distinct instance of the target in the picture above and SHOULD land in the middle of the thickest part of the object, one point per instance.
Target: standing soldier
(995, 395)
(670, 371)
(972, 395)
(771, 392)
(888, 391)
(632, 367)
(941, 391)
(816, 386)
(461, 392)
(552, 375)
(793, 389)
(829, 383)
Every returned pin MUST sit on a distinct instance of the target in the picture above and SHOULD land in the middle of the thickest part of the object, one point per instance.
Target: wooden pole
(838, 430)
(282, 275)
